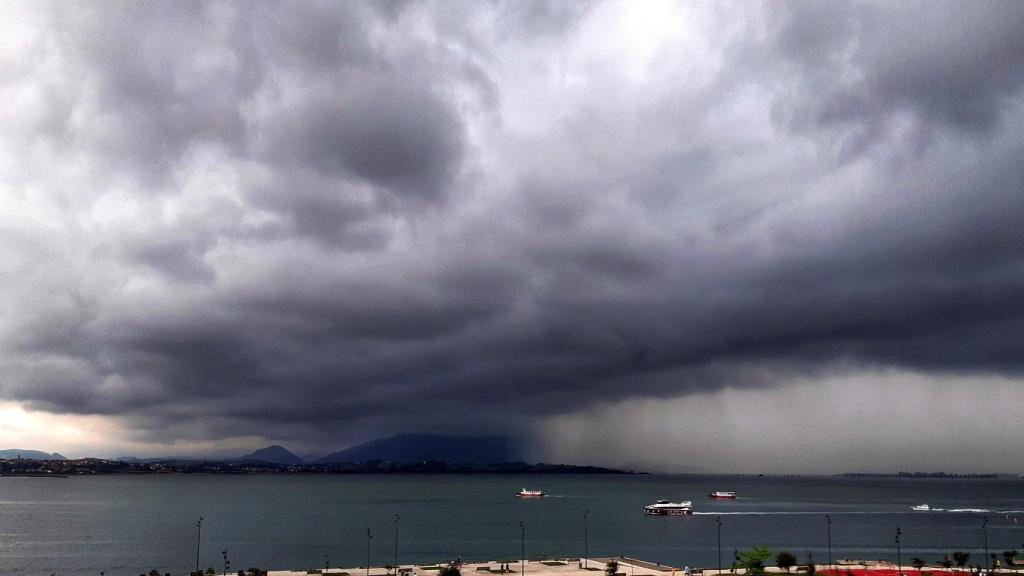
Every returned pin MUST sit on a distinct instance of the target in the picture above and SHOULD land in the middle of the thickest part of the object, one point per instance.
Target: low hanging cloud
(319, 223)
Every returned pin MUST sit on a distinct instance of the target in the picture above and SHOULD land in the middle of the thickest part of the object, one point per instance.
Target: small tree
(946, 562)
(211, 572)
(752, 561)
(785, 560)
(961, 558)
(449, 570)
(917, 563)
(611, 568)
(1010, 556)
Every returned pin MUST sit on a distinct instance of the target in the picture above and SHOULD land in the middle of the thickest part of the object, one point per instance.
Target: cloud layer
(316, 223)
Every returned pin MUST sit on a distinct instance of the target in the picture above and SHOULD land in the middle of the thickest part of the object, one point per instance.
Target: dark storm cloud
(945, 63)
(153, 78)
(321, 222)
(392, 131)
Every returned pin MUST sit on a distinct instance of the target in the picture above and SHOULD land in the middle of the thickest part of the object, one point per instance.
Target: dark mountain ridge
(13, 453)
(401, 449)
(273, 454)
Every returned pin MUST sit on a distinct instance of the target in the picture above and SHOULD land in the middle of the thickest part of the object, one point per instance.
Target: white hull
(666, 508)
(524, 493)
(668, 511)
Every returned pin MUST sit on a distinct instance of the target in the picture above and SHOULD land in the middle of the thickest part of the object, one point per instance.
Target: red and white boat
(718, 495)
(524, 493)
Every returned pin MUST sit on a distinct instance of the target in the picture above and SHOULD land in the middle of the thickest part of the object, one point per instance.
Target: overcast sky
(704, 236)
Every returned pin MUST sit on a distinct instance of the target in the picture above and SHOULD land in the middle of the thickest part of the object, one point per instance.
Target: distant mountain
(274, 454)
(411, 448)
(29, 455)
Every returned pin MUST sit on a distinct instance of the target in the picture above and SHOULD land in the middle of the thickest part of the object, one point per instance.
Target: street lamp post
(984, 528)
(227, 564)
(369, 536)
(199, 535)
(586, 539)
(718, 520)
(397, 518)
(899, 557)
(522, 549)
(828, 523)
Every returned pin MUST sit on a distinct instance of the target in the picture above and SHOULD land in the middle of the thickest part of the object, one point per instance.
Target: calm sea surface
(131, 524)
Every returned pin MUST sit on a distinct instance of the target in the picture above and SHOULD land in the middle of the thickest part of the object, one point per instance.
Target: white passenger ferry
(524, 493)
(666, 508)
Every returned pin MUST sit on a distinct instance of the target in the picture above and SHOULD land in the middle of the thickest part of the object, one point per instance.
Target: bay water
(128, 525)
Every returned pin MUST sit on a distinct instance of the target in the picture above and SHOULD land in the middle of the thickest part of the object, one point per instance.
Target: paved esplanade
(596, 566)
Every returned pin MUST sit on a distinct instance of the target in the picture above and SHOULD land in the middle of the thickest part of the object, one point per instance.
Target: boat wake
(785, 513)
(835, 512)
(974, 511)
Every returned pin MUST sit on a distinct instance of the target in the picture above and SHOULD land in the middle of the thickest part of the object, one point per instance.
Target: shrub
(752, 561)
(785, 560)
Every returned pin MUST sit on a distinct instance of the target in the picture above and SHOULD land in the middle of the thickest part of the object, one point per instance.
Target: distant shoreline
(95, 466)
(91, 466)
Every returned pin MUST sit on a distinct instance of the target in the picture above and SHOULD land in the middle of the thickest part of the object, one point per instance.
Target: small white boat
(719, 495)
(921, 507)
(524, 493)
(666, 508)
